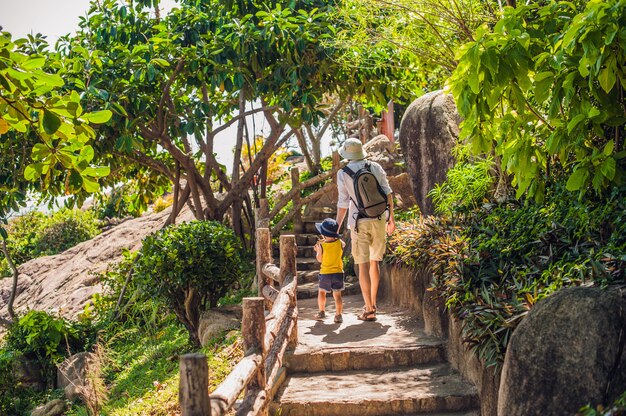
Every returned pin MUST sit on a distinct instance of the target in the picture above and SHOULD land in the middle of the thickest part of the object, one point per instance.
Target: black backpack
(371, 201)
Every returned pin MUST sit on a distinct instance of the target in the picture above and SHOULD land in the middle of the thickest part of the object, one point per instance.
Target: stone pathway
(381, 368)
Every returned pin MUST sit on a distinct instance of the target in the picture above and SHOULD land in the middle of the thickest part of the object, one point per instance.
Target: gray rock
(215, 321)
(56, 407)
(428, 132)
(29, 373)
(566, 353)
(72, 373)
(401, 185)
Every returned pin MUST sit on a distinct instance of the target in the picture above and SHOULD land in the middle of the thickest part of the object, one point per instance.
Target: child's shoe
(338, 319)
(320, 315)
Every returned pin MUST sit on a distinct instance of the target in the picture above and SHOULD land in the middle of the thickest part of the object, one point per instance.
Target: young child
(329, 252)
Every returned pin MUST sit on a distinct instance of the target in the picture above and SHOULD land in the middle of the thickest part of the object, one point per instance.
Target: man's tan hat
(352, 149)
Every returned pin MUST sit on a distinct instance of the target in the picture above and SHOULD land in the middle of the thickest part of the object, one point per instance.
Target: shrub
(47, 339)
(190, 266)
(34, 234)
(114, 204)
(65, 229)
(466, 187)
(163, 202)
(493, 264)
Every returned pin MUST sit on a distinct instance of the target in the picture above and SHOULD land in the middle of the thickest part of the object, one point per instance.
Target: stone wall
(407, 287)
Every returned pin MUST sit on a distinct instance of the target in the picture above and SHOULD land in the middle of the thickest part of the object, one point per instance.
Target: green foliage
(115, 204)
(34, 235)
(617, 409)
(415, 38)
(66, 228)
(190, 267)
(492, 265)
(544, 90)
(45, 135)
(47, 339)
(466, 187)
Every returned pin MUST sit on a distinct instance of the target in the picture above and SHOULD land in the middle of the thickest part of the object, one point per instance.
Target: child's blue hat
(328, 227)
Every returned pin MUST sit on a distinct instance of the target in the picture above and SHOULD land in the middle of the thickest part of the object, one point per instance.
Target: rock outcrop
(566, 353)
(65, 282)
(215, 321)
(72, 374)
(56, 407)
(428, 132)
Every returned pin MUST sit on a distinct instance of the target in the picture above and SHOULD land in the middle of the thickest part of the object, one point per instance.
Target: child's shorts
(332, 281)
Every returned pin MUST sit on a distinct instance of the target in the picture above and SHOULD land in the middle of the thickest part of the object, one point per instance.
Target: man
(368, 238)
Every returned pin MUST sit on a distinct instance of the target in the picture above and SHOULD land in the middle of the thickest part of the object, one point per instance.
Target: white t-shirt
(345, 186)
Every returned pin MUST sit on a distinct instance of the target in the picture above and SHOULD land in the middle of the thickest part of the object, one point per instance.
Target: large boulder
(73, 372)
(428, 132)
(215, 321)
(56, 407)
(566, 353)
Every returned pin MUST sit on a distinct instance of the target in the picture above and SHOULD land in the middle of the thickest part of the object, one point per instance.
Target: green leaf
(96, 172)
(33, 63)
(40, 151)
(607, 75)
(574, 122)
(97, 117)
(51, 122)
(90, 185)
(608, 168)
(608, 148)
(577, 179)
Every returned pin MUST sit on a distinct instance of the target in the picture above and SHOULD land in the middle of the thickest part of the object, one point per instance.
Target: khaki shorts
(370, 242)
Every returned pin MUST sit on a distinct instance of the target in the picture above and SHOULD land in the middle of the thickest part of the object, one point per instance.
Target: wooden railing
(265, 339)
(298, 202)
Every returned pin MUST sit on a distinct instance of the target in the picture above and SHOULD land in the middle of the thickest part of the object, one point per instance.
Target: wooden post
(288, 252)
(263, 256)
(193, 393)
(253, 333)
(262, 214)
(336, 162)
(295, 182)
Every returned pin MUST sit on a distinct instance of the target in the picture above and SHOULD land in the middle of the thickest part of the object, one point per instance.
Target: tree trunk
(7, 255)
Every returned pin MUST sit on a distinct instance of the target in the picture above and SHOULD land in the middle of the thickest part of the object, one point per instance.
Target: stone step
(311, 276)
(307, 276)
(309, 290)
(307, 360)
(303, 251)
(307, 263)
(398, 391)
(308, 239)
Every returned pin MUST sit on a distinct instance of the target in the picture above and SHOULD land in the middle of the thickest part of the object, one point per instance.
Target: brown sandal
(367, 316)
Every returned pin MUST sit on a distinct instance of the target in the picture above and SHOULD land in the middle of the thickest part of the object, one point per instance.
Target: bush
(114, 204)
(190, 266)
(493, 264)
(466, 187)
(34, 234)
(65, 229)
(46, 339)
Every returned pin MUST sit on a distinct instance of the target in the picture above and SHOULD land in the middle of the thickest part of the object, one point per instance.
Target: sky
(55, 18)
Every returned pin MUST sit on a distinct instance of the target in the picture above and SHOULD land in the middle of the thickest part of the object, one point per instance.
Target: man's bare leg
(366, 287)
(374, 272)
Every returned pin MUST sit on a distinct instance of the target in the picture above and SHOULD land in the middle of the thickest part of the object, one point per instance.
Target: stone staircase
(382, 368)
(307, 265)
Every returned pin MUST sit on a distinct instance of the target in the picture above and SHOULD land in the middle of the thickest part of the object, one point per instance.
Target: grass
(141, 371)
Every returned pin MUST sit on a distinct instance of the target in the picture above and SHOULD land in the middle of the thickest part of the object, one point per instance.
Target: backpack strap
(349, 171)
